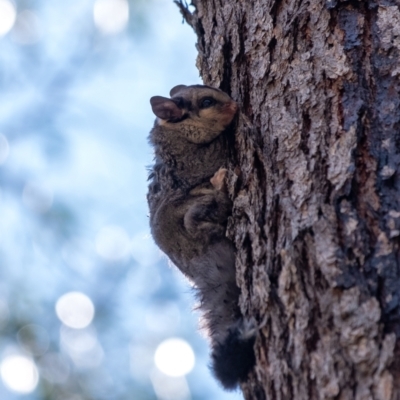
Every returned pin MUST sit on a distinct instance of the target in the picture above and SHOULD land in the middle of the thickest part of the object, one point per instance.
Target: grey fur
(189, 206)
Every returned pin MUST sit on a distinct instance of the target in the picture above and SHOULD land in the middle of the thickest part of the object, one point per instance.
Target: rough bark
(316, 189)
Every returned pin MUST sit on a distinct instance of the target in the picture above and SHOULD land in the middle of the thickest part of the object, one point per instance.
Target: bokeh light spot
(4, 146)
(174, 357)
(19, 373)
(7, 16)
(111, 16)
(113, 243)
(75, 310)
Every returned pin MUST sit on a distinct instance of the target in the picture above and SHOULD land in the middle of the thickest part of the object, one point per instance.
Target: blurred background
(89, 307)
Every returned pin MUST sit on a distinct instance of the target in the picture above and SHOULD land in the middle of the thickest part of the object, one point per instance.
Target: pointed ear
(165, 108)
(176, 89)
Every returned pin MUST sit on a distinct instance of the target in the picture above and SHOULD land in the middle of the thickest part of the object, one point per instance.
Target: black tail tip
(234, 358)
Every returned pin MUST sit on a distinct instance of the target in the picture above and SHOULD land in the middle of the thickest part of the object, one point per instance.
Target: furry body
(189, 209)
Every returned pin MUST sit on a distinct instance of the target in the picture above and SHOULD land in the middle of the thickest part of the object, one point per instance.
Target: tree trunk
(316, 189)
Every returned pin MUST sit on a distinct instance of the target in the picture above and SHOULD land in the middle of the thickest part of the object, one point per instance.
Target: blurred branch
(186, 14)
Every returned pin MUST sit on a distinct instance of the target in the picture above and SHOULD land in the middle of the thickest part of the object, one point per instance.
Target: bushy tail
(234, 357)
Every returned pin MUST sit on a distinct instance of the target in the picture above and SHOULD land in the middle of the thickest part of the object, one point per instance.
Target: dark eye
(207, 102)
